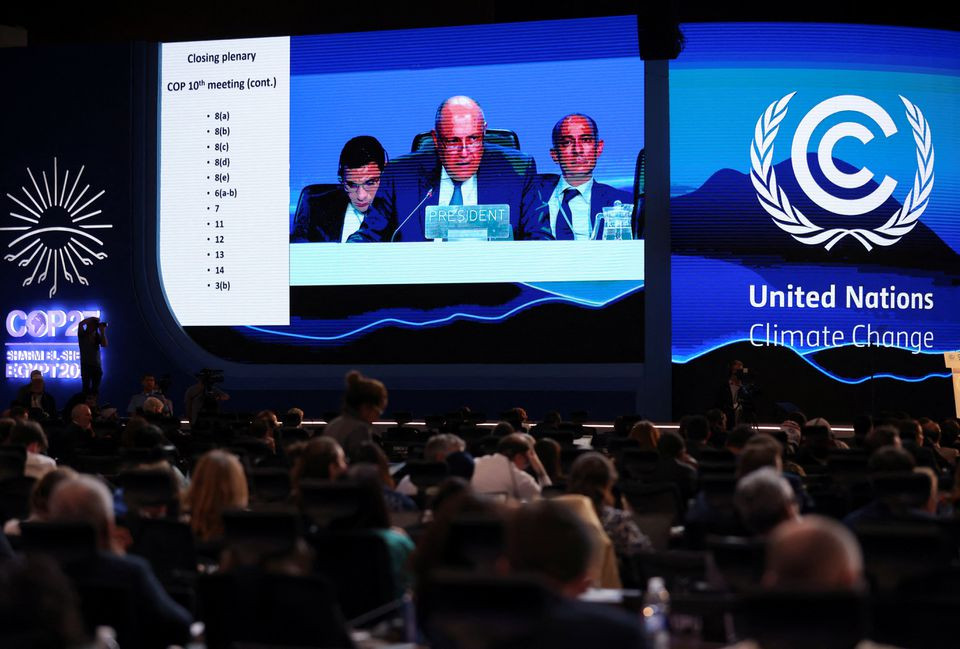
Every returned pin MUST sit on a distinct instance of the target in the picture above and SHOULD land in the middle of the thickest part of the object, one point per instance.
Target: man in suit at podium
(575, 198)
(335, 215)
(462, 170)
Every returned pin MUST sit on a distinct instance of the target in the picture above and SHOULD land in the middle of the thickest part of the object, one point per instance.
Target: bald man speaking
(462, 170)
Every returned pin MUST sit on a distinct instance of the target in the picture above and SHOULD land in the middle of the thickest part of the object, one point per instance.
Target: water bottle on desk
(656, 613)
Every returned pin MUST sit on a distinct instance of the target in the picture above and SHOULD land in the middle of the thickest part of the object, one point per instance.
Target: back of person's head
(880, 436)
(549, 540)
(6, 425)
(370, 454)
(739, 436)
(26, 433)
(760, 451)
(813, 553)
(592, 475)
(40, 494)
(696, 428)
(646, 434)
(890, 458)
(363, 391)
(862, 425)
(798, 417)
(548, 450)
(671, 445)
(909, 430)
(149, 436)
(360, 151)
(502, 429)
(293, 418)
(152, 405)
(84, 499)
(438, 447)
(260, 429)
(715, 417)
(321, 459)
(461, 464)
(39, 606)
(372, 513)
(949, 431)
(764, 499)
(514, 445)
(218, 483)
(551, 418)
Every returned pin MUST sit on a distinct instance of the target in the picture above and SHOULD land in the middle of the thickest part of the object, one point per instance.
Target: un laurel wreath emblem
(790, 219)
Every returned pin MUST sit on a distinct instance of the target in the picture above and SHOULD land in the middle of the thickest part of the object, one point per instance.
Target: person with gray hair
(764, 499)
(85, 499)
(460, 169)
(813, 553)
(437, 449)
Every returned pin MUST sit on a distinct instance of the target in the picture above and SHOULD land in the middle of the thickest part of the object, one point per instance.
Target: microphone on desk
(412, 212)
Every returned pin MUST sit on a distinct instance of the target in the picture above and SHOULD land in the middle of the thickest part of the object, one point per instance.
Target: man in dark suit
(159, 620)
(335, 215)
(576, 198)
(463, 170)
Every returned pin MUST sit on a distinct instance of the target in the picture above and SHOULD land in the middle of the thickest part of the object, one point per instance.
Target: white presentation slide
(224, 179)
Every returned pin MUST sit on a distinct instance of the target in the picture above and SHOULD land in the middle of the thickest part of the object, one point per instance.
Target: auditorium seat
(802, 620)
(500, 136)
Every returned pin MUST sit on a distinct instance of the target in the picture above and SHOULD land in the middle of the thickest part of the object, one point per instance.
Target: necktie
(564, 216)
(457, 198)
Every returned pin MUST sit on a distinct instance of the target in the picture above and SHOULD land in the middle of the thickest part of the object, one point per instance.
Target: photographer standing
(735, 396)
(204, 396)
(91, 336)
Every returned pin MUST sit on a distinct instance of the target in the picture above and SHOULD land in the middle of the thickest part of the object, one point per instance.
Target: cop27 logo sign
(791, 220)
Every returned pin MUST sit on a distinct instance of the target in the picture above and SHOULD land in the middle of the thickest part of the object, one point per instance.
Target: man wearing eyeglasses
(575, 198)
(337, 214)
(462, 169)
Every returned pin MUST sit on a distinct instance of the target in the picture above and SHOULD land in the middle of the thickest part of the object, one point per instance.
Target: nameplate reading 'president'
(459, 222)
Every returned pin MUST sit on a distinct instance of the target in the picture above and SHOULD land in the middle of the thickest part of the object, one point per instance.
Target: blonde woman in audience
(218, 483)
(646, 434)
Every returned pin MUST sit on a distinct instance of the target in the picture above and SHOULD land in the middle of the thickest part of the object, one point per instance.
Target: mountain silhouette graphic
(723, 218)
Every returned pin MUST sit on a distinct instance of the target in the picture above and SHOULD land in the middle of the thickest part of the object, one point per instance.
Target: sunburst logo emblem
(58, 241)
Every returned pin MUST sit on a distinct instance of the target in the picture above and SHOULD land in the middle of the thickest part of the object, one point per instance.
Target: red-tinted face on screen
(459, 139)
(361, 185)
(577, 150)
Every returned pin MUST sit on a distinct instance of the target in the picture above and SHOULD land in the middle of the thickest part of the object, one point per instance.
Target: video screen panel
(815, 190)
(444, 236)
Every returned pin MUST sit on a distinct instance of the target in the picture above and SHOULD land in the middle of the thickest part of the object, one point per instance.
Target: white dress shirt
(468, 188)
(352, 219)
(579, 205)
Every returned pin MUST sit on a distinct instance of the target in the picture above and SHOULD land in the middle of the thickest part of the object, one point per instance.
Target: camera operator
(204, 396)
(736, 396)
(91, 336)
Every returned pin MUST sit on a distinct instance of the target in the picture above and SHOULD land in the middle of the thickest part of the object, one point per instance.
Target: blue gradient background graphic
(721, 84)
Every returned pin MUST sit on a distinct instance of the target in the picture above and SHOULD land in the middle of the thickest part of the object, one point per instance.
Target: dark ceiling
(150, 20)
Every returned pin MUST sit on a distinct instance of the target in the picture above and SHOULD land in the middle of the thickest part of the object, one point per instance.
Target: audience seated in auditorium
(547, 540)
(149, 384)
(675, 465)
(319, 458)
(890, 460)
(30, 436)
(437, 449)
(764, 499)
(911, 437)
(85, 499)
(364, 401)
(646, 434)
(594, 476)
(738, 437)
(370, 454)
(764, 451)
(40, 499)
(76, 436)
(218, 483)
(504, 472)
(933, 436)
(548, 450)
(34, 397)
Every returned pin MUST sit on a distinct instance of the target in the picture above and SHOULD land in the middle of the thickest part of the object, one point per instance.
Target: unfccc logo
(791, 220)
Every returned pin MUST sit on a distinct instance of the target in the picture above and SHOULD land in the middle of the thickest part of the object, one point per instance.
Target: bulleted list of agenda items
(224, 160)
